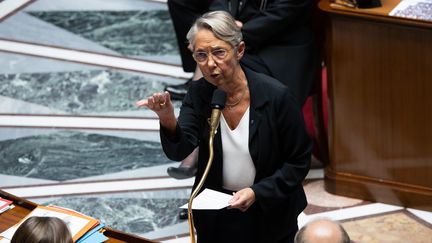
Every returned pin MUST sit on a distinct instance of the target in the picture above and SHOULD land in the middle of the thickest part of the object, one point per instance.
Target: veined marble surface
(16, 63)
(85, 5)
(32, 85)
(66, 155)
(24, 27)
(131, 33)
(127, 212)
(82, 92)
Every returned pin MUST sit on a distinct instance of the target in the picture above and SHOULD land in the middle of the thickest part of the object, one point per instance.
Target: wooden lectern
(380, 105)
(24, 207)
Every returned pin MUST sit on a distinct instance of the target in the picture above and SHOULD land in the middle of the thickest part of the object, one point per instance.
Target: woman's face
(216, 58)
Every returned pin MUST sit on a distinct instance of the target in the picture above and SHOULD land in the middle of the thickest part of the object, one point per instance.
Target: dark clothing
(280, 149)
(183, 14)
(278, 37)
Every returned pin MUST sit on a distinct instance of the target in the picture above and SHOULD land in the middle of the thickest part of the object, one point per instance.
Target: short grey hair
(221, 23)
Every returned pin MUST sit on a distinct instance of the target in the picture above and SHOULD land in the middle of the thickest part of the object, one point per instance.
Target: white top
(238, 167)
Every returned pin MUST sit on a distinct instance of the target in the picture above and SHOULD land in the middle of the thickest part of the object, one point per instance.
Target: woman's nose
(210, 60)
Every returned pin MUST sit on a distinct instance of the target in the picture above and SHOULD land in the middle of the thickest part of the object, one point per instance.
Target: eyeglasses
(217, 54)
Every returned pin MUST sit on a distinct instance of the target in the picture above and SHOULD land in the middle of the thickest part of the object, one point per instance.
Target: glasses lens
(219, 53)
(200, 56)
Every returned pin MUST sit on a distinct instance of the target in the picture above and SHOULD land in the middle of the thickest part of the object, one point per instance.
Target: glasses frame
(215, 57)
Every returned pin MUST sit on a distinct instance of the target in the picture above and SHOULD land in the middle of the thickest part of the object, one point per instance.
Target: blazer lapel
(257, 101)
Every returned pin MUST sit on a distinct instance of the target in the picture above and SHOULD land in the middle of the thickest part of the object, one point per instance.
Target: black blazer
(278, 143)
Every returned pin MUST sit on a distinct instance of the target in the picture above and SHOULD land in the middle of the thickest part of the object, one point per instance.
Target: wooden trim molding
(378, 190)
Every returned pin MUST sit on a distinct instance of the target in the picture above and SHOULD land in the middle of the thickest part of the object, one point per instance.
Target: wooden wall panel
(380, 130)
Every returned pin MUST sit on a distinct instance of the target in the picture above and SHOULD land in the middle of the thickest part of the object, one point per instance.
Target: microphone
(217, 104)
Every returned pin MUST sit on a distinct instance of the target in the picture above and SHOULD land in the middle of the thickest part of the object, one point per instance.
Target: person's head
(42, 230)
(322, 231)
(217, 46)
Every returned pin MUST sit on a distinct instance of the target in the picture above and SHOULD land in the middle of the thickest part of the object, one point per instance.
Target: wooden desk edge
(114, 235)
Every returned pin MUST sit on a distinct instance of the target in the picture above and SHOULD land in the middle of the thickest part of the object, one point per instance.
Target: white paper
(6, 208)
(413, 9)
(4, 240)
(210, 199)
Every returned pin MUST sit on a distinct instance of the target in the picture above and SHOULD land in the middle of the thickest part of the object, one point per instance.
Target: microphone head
(219, 99)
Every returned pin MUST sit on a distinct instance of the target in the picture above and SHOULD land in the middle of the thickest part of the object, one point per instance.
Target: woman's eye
(201, 55)
(219, 53)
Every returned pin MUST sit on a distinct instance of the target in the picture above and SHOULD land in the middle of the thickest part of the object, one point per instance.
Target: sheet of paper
(96, 237)
(6, 208)
(4, 240)
(210, 199)
(4, 203)
(413, 9)
(93, 235)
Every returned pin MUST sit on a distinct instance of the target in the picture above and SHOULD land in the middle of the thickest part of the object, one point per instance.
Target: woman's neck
(236, 89)
(237, 84)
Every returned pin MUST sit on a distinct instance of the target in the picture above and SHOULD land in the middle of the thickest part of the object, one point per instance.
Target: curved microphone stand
(218, 103)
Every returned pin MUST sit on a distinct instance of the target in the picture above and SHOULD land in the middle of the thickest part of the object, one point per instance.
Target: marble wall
(131, 33)
(33, 86)
(127, 212)
(66, 155)
(81, 92)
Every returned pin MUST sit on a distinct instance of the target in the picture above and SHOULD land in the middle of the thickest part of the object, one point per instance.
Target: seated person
(42, 230)
(322, 231)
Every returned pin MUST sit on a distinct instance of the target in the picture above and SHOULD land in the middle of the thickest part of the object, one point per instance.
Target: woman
(42, 230)
(279, 41)
(261, 149)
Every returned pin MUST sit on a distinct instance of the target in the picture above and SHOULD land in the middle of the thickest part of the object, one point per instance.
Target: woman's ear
(240, 50)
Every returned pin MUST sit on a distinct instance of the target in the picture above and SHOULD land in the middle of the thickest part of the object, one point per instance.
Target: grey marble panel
(80, 5)
(24, 27)
(128, 214)
(11, 106)
(66, 155)
(16, 63)
(132, 33)
(81, 92)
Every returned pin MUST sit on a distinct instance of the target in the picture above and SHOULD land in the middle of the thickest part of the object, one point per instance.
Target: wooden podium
(24, 207)
(380, 105)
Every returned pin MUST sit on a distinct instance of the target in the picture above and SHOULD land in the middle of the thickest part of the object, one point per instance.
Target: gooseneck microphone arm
(217, 104)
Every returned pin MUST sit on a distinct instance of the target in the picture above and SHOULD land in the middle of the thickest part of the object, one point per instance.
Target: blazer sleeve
(186, 138)
(293, 150)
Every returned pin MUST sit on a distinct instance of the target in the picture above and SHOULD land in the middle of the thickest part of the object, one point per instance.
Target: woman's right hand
(161, 104)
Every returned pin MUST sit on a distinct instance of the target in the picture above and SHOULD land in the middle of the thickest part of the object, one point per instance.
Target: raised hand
(157, 102)
(161, 104)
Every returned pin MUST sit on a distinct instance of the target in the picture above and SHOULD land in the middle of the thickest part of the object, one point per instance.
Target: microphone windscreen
(219, 99)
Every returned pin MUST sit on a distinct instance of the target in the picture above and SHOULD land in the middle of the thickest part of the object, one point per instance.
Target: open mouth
(214, 75)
